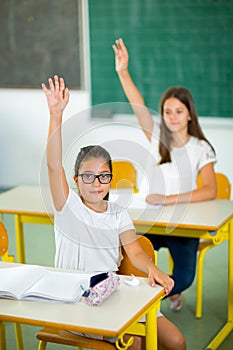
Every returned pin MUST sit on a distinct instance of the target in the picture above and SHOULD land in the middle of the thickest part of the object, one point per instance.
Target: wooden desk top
(208, 215)
(26, 200)
(123, 307)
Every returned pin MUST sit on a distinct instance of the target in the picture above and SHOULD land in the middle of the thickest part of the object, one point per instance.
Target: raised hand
(121, 56)
(57, 96)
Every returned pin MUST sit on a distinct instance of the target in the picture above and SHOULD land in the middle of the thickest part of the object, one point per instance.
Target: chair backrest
(124, 175)
(126, 267)
(223, 186)
(3, 239)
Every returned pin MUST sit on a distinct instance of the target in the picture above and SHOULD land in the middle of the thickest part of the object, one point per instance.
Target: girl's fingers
(62, 84)
(44, 87)
(117, 46)
(56, 89)
(167, 284)
(121, 44)
(66, 94)
(56, 81)
(51, 85)
(115, 49)
(56, 85)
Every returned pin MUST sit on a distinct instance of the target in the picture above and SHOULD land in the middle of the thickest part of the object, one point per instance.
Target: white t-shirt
(180, 175)
(86, 240)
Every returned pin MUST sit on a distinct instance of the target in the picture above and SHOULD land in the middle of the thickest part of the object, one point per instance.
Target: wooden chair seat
(67, 338)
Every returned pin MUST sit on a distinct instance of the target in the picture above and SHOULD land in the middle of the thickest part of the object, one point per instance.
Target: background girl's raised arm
(132, 93)
(57, 98)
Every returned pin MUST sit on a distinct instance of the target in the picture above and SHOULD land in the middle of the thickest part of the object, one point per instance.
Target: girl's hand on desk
(57, 96)
(157, 276)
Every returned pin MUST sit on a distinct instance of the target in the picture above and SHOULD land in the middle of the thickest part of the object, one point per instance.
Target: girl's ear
(77, 184)
(75, 179)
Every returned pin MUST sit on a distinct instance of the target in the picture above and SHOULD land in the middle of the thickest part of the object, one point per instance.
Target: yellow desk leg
(2, 336)
(19, 337)
(228, 328)
(230, 275)
(19, 239)
(151, 329)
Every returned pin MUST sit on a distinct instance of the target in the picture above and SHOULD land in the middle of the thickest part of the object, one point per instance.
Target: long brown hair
(194, 128)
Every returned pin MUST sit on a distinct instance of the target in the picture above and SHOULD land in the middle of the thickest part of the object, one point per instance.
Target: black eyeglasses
(90, 178)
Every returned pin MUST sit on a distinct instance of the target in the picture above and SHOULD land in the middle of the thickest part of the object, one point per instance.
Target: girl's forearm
(137, 103)
(201, 194)
(142, 262)
(54, 144)
(130, 89)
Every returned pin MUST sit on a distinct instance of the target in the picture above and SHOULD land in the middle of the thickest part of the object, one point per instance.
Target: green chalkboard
(171, 43)
(39, 38)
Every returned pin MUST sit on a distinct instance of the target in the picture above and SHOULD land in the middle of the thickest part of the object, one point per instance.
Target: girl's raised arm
(132, 93)
(57, 98)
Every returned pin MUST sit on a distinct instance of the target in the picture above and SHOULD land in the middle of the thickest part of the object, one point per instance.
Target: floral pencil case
(101, 287)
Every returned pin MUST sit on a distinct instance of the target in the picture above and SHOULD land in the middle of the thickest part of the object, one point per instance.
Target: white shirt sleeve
(125, 222)
(207, 154)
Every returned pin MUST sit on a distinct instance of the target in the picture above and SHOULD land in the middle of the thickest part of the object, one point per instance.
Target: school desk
(201, 220)
(27, 205)
(117, 315)
(212, 220)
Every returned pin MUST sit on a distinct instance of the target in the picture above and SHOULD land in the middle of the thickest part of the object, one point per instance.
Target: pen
(81, 288)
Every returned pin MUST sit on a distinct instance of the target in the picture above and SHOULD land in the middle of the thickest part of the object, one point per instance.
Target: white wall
(23, 132)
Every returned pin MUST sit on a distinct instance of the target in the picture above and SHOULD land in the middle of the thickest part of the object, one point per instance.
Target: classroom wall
(23, 132)
(24, 123)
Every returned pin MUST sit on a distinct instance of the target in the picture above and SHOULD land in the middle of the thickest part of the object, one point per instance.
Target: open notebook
(32, 282)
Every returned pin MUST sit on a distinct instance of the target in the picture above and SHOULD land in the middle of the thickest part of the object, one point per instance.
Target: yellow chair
(124, 175)
(223, 186)
(57, 336)
(7, 258)
(223, 192)
(48, 335)
(126, 267)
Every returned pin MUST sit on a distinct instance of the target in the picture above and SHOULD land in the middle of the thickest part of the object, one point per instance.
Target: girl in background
(180, 152)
